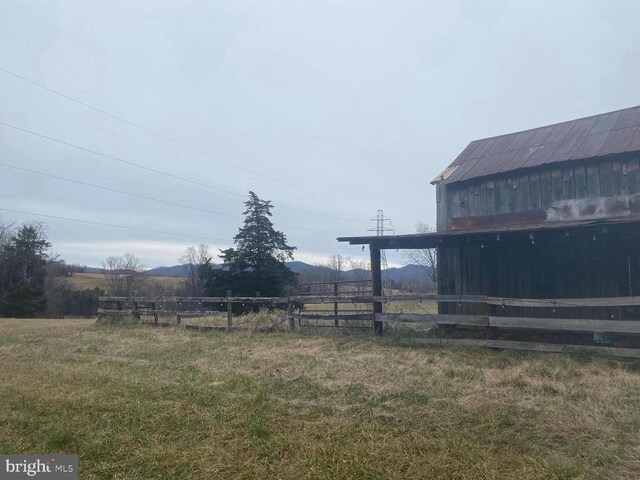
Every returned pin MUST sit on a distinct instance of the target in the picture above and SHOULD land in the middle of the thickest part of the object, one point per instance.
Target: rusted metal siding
(592, 137)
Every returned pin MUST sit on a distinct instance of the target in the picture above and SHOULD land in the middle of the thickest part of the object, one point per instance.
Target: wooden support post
(376, 287)
(229, 311)
(155, 313)
(292, 322)
(490, 333)
(335, 305)
(135, 311)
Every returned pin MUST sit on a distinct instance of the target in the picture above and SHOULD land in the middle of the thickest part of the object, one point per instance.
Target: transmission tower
(380, 224)
(381, 228)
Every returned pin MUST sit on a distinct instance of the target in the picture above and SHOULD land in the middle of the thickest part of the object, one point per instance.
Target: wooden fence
(293, 309)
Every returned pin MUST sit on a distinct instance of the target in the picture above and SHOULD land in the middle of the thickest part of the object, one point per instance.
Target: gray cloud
(363, 102)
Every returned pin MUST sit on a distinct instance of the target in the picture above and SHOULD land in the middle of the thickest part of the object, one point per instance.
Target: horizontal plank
(363, 316)
(531, 346)
(565, 302)
(320, 299)
(434, 319)
(342, 298)
(567, 324)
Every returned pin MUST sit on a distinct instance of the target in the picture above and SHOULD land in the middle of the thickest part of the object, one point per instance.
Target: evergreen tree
(23, 261)
(256, 264)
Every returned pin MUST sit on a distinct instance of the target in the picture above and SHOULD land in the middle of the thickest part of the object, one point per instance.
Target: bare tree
(5, 233)
(426, 258)
(124, 275)
(336, 264)
(361, 271)
(193, 259)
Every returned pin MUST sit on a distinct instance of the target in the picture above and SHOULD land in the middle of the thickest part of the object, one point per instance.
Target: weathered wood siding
(594, 262)
(539, 191)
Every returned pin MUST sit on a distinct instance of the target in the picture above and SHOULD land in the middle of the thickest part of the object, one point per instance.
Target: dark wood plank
(464, 202)
(633, 177)
(546, 197)
(503, 197)
(568, 187)
(556, 186)
(514, 197)
(619, 179)
(593, 181)
(534, 191)
(523, 188)
(606, 179)
(482, 200)
(491, 201)
(568, 324)
(580, 181)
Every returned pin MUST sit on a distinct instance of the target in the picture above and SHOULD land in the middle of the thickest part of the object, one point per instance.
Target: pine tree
(23, 263)
(256, 264)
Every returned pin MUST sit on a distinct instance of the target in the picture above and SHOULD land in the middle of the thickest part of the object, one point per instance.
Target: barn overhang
(442, 239)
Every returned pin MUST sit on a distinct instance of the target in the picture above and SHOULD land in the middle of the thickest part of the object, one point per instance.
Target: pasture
(83, 281)
(137, 402)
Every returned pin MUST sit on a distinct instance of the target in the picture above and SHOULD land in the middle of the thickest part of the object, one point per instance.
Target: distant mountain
(299, 267)
(172, 271)
(406, 274)
(93, 270)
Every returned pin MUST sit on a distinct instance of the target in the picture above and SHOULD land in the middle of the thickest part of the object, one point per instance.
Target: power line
(153, 199)
(175, 141)
(160, 172)
(77, 220)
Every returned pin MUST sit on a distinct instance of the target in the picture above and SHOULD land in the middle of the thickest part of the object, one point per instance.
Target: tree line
(35, 283)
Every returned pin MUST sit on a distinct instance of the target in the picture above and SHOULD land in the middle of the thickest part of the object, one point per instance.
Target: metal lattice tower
(380, 229)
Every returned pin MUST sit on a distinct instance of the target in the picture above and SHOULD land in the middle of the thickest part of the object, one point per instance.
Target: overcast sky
(331, 109)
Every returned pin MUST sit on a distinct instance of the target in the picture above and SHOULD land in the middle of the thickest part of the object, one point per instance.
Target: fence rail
(294, 310)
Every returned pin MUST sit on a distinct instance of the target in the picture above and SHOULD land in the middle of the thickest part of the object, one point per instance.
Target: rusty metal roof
(591, 137)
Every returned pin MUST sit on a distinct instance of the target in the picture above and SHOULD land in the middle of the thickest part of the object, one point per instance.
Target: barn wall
(580, 264)
(592, 189)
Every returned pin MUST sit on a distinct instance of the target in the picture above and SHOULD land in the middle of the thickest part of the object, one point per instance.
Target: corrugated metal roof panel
(597, 136)
(635, 143)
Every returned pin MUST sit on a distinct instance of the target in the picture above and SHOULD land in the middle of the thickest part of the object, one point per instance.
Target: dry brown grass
(139, 402)
(83, 281)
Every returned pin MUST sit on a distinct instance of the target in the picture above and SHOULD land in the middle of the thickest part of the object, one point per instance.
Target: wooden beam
(561, 324)
(565, 302)
(376, 282)
(568, 324)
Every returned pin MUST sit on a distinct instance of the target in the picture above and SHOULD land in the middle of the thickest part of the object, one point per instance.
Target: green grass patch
(137, 402)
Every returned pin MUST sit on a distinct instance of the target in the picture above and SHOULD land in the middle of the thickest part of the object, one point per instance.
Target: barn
(544, 222)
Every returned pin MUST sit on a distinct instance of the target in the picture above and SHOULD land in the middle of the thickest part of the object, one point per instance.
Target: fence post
(292, 323)
(376, 287)
(178, 317)
(229, 311)
(335, 305)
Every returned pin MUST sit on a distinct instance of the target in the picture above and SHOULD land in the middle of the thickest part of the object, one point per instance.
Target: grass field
(140, 402)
